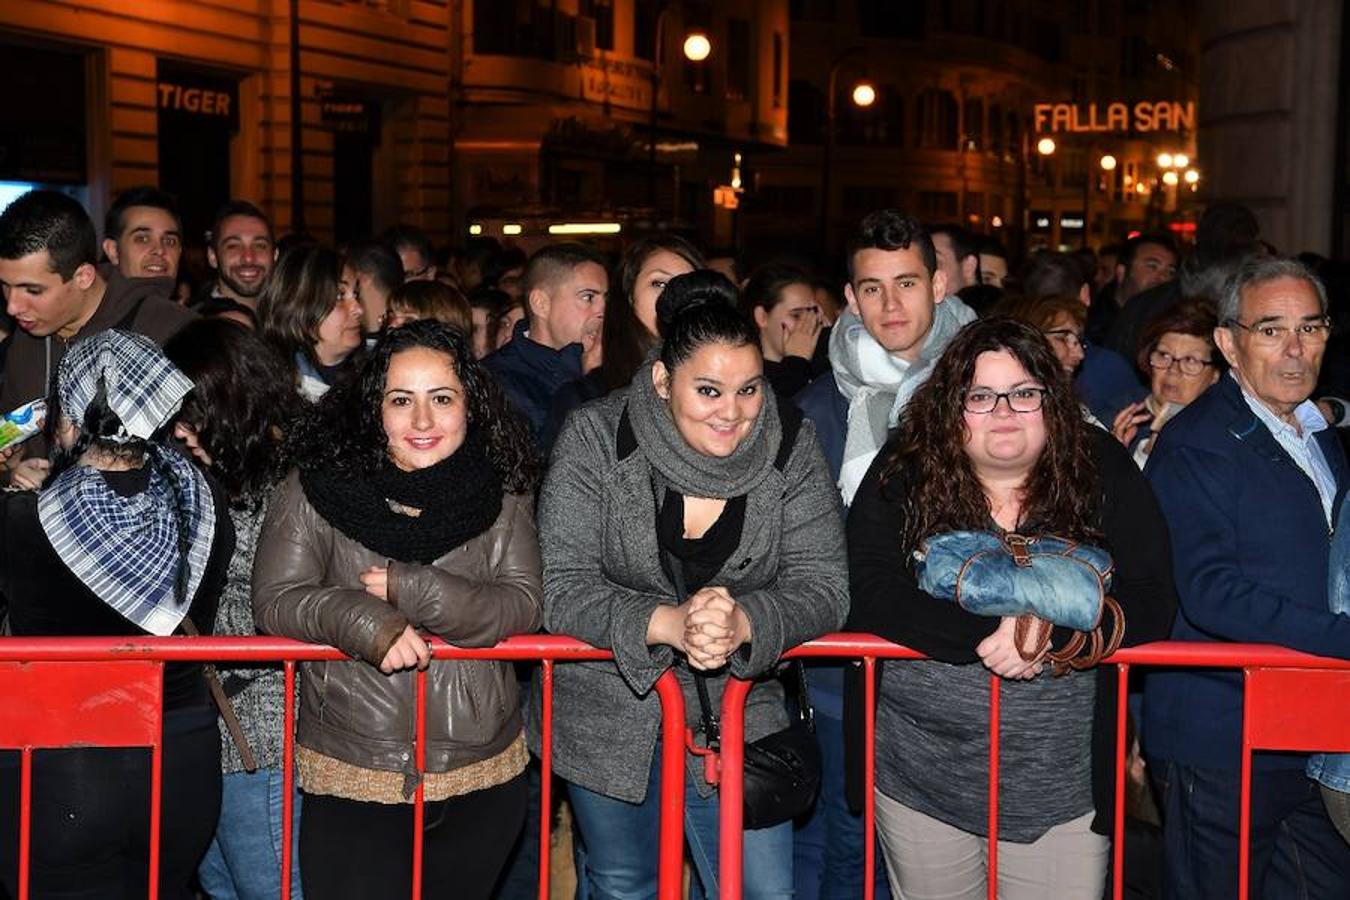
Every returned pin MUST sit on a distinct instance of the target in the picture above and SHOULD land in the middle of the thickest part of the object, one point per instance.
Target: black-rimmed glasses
(1020, 400)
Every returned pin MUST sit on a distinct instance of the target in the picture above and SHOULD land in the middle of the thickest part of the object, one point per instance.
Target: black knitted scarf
(414, 516)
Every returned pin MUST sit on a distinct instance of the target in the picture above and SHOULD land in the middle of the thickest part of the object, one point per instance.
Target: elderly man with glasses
(1249, 477)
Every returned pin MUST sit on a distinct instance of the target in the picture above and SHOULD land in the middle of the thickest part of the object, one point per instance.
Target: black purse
(782, 770)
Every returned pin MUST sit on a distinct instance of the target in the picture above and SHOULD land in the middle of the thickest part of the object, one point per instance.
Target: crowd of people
(697, 465)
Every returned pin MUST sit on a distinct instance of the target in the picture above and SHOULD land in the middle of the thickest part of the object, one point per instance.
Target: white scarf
(877, 384)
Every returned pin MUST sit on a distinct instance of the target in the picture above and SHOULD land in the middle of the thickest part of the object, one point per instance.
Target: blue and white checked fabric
(142, 386)
(125, 549)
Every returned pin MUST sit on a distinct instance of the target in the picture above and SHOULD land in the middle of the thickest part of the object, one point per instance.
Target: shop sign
(617, 82)
(198, 96)
(1140, 118)
(345, 114)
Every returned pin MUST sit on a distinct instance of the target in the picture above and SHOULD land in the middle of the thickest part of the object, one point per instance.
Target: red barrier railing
(109, 695)
(106, 692)
(1267, 669)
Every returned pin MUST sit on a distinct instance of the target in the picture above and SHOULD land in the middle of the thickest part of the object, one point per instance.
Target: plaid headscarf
(128, 549)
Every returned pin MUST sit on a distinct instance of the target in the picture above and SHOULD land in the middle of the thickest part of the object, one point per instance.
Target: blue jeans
(621, 840)
(828, 846)
(1296, 854)
(244, 859)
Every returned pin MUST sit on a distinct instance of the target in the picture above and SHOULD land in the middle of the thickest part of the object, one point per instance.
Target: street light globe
(697, 46)
(1164, 160)
(1141, 188)
(1108, 163)
(864, 94)
(1192, 176)
(1169, 178)
(1180, 160)
(1045, 146)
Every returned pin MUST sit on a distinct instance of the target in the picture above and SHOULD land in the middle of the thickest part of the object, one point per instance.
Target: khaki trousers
(930, 860)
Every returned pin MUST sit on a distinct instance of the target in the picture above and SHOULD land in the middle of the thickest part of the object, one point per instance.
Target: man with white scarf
(898, 322)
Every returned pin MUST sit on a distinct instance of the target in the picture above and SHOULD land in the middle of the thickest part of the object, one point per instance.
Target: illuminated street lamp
(697, 46)
(1045, 146)
(1192, 176)
(1170, 178)
(1108, 163)
(1180, 160)
(864, 95)
(1164, 160)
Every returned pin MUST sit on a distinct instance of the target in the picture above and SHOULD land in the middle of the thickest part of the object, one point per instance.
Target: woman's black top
(702, 557)
(887, 601)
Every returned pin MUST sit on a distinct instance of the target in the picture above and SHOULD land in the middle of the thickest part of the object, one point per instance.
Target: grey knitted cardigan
(259, 692)
(603, 578)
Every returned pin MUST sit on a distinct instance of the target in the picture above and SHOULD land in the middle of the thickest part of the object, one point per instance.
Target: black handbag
(782, 770)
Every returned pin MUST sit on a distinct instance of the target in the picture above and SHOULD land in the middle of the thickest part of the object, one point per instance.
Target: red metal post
(670, 859)
(287, 779)
(419, 796)
(1118, 844)
(546, 784)
(869, 776)
(25, 819)
(731, 796)
(991, 877)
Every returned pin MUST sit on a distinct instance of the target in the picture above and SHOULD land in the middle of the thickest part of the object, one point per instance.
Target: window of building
(644, 28)
(996, 128)
(738, 58)
(973, 122)
(935, 205)
(806, 112)
(881, 124)
(935, 119)
(522, 29)
(601, 12)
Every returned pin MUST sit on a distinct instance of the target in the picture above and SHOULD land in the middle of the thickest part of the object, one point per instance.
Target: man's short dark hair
(557, 261)
(52, 221)
(1158, 238)
(1053, 274)
(236, 208)
(409, 237)
(890, 229)
(378, 262)
(964, 243)
(114, 223)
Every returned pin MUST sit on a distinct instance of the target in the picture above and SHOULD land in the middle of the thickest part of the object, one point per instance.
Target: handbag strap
(223, 704)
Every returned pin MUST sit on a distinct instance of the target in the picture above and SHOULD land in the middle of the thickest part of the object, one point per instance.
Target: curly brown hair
(937, 486)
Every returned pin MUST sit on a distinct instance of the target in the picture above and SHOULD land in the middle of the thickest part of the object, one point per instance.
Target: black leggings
(349, 848)
(91, 819)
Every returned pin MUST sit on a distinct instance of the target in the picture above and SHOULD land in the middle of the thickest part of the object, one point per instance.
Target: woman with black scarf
(411, 511)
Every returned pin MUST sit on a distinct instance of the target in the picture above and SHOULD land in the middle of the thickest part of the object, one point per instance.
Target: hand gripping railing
(1275, 719)
(62, 692)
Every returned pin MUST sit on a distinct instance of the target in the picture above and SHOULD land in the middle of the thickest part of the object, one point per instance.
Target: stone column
(1268, 95)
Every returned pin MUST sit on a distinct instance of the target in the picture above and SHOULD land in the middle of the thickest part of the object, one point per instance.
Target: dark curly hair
(940, 489)
(344, 432)
(241, 405)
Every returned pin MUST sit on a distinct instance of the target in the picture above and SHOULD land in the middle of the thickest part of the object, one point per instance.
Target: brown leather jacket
(306, 585)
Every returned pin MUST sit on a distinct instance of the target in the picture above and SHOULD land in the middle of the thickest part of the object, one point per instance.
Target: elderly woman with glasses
(1177, 355)
(995, 444)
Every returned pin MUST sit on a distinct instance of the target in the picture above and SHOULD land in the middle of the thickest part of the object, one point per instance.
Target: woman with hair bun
(687, 521)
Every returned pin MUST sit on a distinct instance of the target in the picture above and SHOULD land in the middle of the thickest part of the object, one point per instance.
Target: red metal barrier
(106, 692)
(1278, 719)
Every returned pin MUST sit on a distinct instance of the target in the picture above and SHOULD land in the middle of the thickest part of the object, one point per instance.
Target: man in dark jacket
(57, 295)
(1249, 478)
(559, 340)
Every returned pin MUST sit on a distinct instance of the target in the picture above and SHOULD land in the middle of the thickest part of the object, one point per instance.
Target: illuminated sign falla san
(1144, 116)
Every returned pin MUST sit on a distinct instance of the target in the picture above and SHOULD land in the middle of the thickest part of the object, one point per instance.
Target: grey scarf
(684, 468)
(878, 384)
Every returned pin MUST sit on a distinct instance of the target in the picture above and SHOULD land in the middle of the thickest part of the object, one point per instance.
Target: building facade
(196, 96)
(953, 131)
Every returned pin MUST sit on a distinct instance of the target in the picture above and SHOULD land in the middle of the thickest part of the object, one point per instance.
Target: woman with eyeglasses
(1061, 319)
(995, 442)
(1177, 355)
